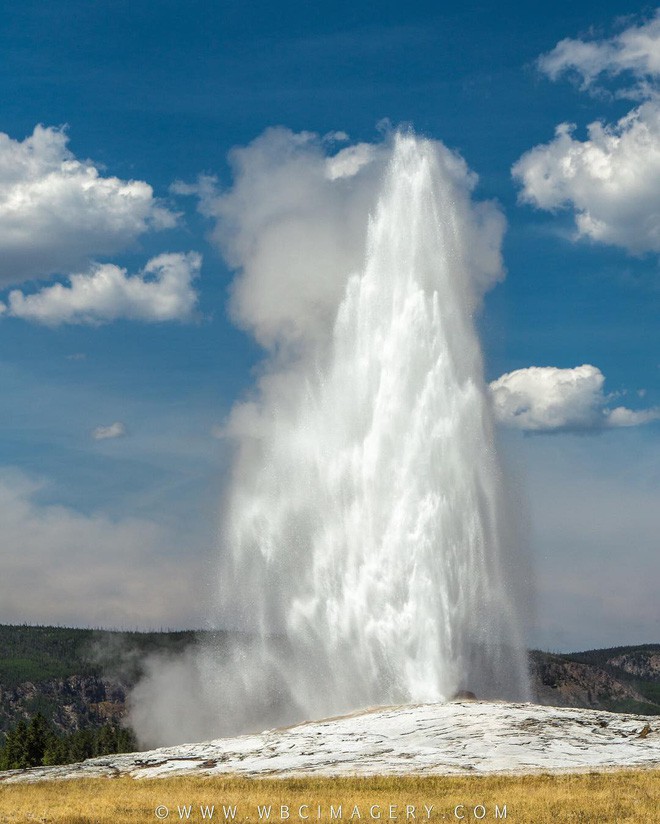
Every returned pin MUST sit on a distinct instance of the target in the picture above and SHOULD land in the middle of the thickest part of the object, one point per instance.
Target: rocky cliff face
(602, 679)
(638, 663)
(72, 703)
(562, 683)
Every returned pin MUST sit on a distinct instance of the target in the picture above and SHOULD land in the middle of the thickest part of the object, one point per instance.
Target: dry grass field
(622, 796)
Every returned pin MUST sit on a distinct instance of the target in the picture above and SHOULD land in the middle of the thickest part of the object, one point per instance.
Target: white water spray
(366, 523)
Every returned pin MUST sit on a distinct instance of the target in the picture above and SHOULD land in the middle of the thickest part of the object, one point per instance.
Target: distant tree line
(36, 654)
(38, 743)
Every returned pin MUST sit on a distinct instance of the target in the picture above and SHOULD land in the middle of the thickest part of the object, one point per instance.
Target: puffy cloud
(294, 226)
(58, 212)
(611, 180)
(104, 433)
(548, 399)
(635, 51)
(64, 567)
(622, 416)
(162, 291)
(349, 161)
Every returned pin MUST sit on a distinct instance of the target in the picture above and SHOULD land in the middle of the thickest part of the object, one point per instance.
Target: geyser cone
(367, 518)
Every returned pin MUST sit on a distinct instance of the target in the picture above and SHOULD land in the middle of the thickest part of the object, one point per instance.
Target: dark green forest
(33, 653)
(38, 743)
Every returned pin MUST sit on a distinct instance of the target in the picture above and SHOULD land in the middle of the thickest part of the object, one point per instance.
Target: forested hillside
(621, 679)
(34, 654)
(63, 691)
(76, 678)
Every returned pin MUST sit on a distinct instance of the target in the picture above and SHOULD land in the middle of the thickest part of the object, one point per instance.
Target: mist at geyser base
(368, 552)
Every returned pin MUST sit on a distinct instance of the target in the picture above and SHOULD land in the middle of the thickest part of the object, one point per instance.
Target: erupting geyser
(366, 530)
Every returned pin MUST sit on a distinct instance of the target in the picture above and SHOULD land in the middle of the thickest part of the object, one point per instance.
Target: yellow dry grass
(621, 796)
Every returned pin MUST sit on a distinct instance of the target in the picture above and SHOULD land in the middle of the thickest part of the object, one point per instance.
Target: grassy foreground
(622, 796)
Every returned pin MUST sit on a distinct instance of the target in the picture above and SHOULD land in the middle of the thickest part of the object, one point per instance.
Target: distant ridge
(618, 679)
(80, 678)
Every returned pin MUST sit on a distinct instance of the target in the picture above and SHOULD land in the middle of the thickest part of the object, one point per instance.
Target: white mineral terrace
(429, 739)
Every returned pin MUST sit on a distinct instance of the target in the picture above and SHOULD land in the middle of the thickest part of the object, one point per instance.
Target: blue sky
(160, 92)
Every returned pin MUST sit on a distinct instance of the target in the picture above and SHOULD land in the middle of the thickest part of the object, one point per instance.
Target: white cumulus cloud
(162, 291)
(113, 430)
(57, 212)
(549, 399)
(635, 51)
(611, 180)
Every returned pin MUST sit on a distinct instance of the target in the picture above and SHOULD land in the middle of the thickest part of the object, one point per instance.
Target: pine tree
(106, 743)
(56, 752)
(14, 753)
(38, 736)
(38, 743)
(82, 745)
(126, 740)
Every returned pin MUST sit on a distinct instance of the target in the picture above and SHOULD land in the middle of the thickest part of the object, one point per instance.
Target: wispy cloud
(114, 430)
(62, 566)
(634, 52)
(595, 530)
